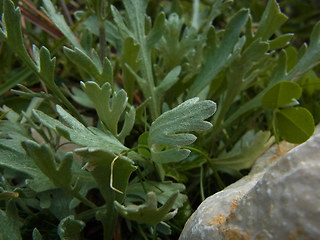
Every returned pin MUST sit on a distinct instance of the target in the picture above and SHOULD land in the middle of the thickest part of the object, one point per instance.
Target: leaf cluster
(147, 108)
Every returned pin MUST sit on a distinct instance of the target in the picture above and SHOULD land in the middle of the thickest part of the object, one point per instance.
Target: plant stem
(211, 164)
(83, 199)
(150, 92)
(201, 184)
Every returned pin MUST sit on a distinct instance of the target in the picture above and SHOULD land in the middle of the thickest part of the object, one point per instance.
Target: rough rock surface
(279, 199)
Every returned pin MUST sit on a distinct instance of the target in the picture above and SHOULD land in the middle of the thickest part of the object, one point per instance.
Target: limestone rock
(279, 200)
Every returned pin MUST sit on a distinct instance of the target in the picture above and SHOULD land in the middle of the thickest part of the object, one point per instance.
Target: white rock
(275, 201)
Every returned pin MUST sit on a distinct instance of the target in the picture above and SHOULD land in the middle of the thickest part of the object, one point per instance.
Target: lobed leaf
(170, 129)
(169, 80)
(157, 31)
(122, 27)
(85, 63)
(101, 161)
(110, 109)
(44, 64)
(148, 212)
(271, 20)
(280, 42)
(13, 157)
(70, 228)
(44, 158)
(11, 30)
(78, 133)
(310, 83)
(244, 153)
(219, 55)
(10, 230)
(129, 56)
(60, 22)
(309, 57)
(163, 190)
(36, 235)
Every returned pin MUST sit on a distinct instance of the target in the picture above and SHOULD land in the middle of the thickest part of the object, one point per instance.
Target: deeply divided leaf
(78, 133)
(171, 130)
(219, 55)
(110, 109)
(148, 212)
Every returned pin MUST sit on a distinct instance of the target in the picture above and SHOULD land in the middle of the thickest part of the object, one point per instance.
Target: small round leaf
(295, 124)
(281, 94)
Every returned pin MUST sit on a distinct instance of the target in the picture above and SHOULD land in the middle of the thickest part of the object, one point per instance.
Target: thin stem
(141, 180)
(66, 102)
(201, 184)
(211, 164)
(89, 214)
(154, 232)
(82, 199)
(155, 104)
(142, 232)
(221, 185)
(60, 43)
(66, 12)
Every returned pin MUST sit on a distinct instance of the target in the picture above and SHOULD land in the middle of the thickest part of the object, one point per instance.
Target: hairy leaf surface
(148, 212)
(170, 131)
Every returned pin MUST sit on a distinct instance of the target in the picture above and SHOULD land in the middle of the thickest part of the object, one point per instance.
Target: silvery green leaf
(218, 56)
(13, 157)
(60, 22)
(110, 109)
(171, 130)
(148, 212)
(100, 74)
(70, 228)
(271, 20)
(156, 33)
(129, 56)
(11, 30)
(44, 158)
(100, 162)
(10, 230)
(78, 133)
(244, 153)
(163, 190)
(44, 65)
(36, 235)
(169, 80)
(81, 98)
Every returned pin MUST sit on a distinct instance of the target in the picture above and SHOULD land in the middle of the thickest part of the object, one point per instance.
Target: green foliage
(244, 152)
(110, 109)
(168, 129)
(148, 212)
(10, 229)
(165, 96)
(294, 124)
(69, 228)
(281, 94)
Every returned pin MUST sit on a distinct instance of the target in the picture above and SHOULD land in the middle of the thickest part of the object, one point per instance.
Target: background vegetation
(119, 118)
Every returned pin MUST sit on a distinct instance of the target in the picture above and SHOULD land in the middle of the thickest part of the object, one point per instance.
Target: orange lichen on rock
(234, 234)
(217, 220)
(283, 148)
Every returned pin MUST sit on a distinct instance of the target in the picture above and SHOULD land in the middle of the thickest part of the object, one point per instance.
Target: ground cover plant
(120, 117)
